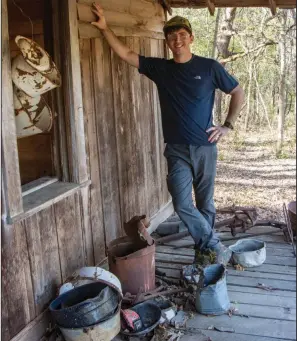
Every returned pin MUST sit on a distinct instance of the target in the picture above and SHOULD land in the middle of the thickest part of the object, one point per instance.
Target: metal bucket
(32, 114)
(249, 252)
(90, 274)
(105, 331)
(134, 266)
(34, 54)
(34, 71)
(212, 295)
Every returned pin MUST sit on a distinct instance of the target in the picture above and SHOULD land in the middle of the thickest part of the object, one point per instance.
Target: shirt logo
(198, 77)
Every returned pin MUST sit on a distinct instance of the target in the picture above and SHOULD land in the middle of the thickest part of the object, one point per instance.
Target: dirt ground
(250, 174)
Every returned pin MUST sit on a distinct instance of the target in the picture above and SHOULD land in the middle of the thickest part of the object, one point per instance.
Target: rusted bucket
(292, 215)
(32, 114)
(133, 265)
(33, 71)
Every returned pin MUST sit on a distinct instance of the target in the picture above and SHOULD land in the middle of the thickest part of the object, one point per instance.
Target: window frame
(72, 149)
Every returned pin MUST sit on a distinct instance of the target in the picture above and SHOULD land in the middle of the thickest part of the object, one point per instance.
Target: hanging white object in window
(33, 71)
(32, 114)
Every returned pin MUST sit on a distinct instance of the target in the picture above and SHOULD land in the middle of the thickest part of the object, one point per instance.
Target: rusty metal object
(134, 265)
(288, 231)
(292, 215)
(132, 299)
(136, 229)
(244, 219)
(172, 237)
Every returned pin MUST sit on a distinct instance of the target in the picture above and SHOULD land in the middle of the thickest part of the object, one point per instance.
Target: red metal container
(134, 265)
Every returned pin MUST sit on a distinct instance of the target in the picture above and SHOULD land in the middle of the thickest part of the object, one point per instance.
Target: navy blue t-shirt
(187, 93)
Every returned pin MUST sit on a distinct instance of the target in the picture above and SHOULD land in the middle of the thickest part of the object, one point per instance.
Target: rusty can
(134, 265)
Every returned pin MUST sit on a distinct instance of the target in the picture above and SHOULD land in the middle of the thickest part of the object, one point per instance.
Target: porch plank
(271, 251)
(217, 336)
(260, 327)
(261, 299)
(180, 259)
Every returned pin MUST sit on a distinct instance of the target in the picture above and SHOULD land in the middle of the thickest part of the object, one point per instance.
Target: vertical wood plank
(44, 257)
(73, 93)
(105, 123)
(149, 133)
(5, 335)
(122, 111)
(9, 152)
(156, 115)
(68, 223)
(15, 278)
(95, 196)
(57, 94)
(86, 226)
(165, 196)
(139, 132)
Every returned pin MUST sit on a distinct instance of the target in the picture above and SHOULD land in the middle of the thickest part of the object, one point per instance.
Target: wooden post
(9, 153)
(272, 5)
(211, 7)
(73, 94)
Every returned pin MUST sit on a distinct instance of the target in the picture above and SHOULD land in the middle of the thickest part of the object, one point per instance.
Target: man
(186, 86)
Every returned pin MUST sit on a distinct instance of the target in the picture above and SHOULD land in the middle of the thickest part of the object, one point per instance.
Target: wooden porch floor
(261, 315)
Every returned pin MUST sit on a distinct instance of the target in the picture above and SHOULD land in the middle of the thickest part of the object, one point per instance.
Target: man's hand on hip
(217, 133)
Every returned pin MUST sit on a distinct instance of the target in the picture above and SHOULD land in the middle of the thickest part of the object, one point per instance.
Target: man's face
(179, 41)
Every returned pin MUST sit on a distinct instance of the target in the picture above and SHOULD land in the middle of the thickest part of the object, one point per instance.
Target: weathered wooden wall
(124, 135)
(38, 254)
(127, 170)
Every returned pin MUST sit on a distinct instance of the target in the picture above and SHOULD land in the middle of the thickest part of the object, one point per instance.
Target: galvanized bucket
(212, 295)
(33, 71)
(32, 114)
(134, 266)
(249, 252)
(105, 331)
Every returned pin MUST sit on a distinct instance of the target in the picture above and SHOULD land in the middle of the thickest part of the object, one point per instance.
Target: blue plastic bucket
(212, 296)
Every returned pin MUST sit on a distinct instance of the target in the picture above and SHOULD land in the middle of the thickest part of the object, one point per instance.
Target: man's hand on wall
(101, 22)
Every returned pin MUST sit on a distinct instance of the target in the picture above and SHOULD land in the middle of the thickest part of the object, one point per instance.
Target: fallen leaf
(224, 329)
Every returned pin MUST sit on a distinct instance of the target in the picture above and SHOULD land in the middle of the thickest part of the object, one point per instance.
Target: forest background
(257, 162)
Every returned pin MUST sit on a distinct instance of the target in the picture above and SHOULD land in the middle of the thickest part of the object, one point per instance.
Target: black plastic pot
(85, 306)
(150, 315)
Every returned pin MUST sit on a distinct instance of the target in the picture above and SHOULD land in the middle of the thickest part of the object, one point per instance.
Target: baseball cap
(178, 21)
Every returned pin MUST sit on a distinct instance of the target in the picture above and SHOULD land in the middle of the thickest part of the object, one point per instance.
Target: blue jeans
(192, 166)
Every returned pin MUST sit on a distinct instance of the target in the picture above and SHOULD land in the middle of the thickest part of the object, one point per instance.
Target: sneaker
(223, 254)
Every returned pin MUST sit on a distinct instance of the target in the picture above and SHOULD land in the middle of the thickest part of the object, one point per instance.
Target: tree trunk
(223, 42)
(215, 38)
(282, 90)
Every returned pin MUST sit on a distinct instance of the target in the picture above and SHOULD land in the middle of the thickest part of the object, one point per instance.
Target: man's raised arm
(119, 48)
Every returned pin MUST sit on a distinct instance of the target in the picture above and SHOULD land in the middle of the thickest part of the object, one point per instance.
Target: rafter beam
(272, 5)
(167, 6)
(211, 7)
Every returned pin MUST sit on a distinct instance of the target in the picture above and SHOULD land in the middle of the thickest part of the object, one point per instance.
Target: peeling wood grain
(16, 278)
(106, 139)
(95, 195)
(44, 257)
(68, 222)
(9, 154)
